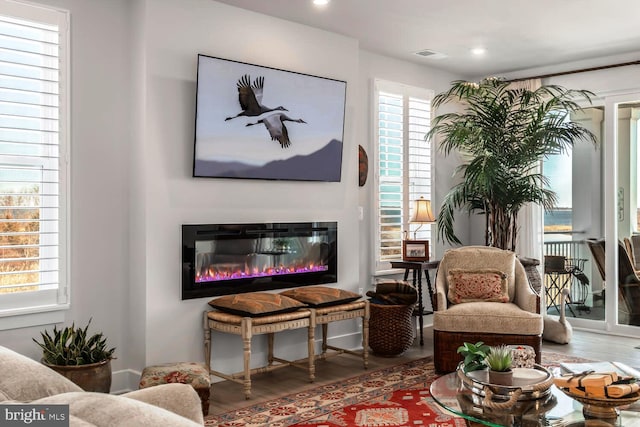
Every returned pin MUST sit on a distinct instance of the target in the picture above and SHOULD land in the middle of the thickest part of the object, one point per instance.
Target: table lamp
(418, 250)
(422, 214)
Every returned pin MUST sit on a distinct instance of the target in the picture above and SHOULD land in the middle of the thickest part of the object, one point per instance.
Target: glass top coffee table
(554, 409)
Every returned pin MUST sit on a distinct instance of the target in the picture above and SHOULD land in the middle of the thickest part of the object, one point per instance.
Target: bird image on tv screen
(264, 123)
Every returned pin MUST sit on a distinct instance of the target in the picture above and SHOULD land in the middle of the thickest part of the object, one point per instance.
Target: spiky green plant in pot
(73, 346)
(83, 358)
(499, 358)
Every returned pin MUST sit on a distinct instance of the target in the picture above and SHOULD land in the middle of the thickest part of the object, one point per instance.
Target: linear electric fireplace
(224, 259)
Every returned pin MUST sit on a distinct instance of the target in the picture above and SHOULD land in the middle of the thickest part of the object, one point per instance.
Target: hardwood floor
(227, 395)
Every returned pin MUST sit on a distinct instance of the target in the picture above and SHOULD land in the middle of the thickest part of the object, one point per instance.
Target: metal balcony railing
(577, 256)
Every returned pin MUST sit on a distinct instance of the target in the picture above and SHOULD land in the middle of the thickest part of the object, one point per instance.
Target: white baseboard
(124, 381)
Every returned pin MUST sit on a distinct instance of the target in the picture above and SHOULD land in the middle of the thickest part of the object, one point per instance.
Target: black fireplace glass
(224, 259)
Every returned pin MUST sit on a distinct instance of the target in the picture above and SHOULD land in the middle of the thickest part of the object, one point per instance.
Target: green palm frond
(504, 133)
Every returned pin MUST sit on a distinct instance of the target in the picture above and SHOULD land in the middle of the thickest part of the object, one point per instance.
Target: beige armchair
(512, 317)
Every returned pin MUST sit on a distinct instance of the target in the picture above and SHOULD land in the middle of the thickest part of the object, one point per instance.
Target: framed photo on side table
(415, 250)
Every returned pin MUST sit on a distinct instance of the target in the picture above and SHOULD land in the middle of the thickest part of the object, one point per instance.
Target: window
(403, 165)
(33, 159)
(558, 171)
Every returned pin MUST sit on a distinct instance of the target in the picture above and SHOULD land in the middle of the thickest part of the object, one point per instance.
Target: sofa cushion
(23, 379)
(253, 304)
(485, 284)
(175, 397)
(321, 296)
(103, 409)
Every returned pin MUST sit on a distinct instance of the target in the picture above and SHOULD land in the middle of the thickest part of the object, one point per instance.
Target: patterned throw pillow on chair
(477, 285)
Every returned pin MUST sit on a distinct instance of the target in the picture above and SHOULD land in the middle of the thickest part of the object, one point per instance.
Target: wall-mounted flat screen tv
(257, 122)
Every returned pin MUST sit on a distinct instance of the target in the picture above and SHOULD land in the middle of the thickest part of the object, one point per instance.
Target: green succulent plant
(474, 356)
(499, 358)
(73, 346)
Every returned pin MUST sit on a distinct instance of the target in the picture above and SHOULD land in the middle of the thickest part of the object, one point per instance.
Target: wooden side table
(416, 267)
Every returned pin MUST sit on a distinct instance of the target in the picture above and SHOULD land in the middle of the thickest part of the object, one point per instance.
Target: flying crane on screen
(275, 125)
(250, 98)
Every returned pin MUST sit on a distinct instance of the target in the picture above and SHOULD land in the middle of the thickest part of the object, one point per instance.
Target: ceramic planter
(501, 377)
(91, 377)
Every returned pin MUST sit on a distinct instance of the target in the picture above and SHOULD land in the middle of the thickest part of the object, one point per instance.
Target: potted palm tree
(503, 134)
(84, 359)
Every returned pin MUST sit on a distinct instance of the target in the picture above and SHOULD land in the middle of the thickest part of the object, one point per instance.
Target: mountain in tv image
(322, 165)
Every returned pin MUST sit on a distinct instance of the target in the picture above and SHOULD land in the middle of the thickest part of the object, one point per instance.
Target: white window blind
(403, 169)
(33, 166)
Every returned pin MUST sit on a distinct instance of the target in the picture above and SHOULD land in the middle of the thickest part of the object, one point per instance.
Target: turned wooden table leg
(311, 347)
(325, 328)
(270, 339)
(207, 343)
(246, 341)
(365, 336)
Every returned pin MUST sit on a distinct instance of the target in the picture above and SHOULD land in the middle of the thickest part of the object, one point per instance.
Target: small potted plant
(499, 360)
(84, 359)
(474, 356)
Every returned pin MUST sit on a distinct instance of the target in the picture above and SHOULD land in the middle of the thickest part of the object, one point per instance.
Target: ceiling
(517, 34)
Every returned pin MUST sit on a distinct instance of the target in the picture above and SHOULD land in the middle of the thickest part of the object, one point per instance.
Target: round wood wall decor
(363, 166)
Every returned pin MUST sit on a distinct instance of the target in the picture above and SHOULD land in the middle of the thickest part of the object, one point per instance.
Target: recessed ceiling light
(478, 51)
(320, 2)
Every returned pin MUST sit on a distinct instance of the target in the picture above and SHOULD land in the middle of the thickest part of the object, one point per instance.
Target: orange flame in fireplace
(232, 271)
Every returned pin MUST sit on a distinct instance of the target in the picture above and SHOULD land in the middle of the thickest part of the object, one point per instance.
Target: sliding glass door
(623, 308)
(576, 176)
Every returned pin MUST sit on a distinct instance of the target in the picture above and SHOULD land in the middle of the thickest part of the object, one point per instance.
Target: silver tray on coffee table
(528, 383)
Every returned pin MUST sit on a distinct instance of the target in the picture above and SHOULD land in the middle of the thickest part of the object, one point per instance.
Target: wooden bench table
(308, 318)
(247, 327)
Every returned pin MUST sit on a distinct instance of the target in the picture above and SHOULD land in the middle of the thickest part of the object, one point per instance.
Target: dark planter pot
(92, 377)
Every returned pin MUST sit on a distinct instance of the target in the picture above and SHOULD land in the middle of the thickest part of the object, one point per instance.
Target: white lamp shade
(422, 212)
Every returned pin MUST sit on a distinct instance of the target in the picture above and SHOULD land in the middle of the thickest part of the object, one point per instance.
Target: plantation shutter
(390, 175)
(403, 172)
(32, 158)
(419, 162)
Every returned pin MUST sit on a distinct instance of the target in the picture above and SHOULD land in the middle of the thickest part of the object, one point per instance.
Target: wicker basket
(390, 329)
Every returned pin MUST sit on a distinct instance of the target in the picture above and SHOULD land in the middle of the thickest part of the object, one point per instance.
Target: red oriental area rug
(401, 408)
(392, 396)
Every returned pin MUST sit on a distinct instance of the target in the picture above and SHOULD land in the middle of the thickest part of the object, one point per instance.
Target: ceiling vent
(430, 54)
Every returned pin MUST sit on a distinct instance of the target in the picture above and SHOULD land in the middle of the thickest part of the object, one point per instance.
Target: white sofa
(23, 380)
